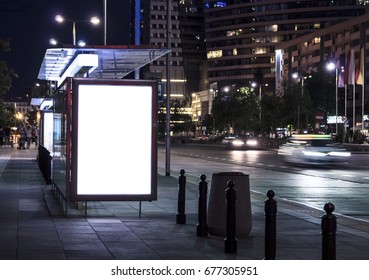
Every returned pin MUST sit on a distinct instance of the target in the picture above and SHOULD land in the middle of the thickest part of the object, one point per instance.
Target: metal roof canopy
(113, 62)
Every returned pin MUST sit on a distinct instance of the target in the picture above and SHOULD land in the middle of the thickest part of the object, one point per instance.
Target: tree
(297, 106)
(6, 74)
(321, 87)
(237, 109)
(272, 112)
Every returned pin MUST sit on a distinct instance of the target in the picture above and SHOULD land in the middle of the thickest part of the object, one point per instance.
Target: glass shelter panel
(60, 139)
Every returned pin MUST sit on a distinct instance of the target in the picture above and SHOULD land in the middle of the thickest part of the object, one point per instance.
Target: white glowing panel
(114, 151)
(48, 130)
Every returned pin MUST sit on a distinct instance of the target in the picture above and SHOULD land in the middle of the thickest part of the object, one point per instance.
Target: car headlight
(314, 154)
(237, 142)
(251, 142)
(340, 154)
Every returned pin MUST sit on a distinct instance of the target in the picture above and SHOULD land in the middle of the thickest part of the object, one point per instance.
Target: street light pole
(60, 19)
(336, 103)
(330, 67)
(260, 103)
(74, 33)
(168, 61)
(105, 20)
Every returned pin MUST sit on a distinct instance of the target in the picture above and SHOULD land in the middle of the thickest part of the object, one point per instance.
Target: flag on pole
(341, 70)
(360, 69)
(351, 69)
(347, 66)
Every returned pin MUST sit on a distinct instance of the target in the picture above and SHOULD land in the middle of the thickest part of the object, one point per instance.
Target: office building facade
(241, 36)
(339, 44)
(188, 51)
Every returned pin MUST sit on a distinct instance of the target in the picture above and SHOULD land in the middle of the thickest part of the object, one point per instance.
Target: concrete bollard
(230, 242)
(329, 227)
(181, 216)
(270, 226)
(202, 227)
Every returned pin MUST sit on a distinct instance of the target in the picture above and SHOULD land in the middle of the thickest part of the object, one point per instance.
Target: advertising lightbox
(113, 148)
(47, 129)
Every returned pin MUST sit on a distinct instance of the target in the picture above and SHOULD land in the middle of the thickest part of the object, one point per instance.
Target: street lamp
(296, 76)
(54, 42)
(254, 85)
(331, 66)
(61, 19)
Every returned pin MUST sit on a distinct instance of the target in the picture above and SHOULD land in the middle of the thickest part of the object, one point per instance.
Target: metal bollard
(181, 216)
(270, 226)
(230, 242)
(202, 227)
(329, 227)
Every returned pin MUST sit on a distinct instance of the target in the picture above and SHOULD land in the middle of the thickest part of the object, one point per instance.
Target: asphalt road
(346, 187)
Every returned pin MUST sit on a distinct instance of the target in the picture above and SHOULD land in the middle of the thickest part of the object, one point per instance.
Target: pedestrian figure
(7, 135)
(22, 138)
(29, 136)
(34, 136)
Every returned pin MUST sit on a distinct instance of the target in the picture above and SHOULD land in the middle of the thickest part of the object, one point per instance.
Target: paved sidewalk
(34, 227)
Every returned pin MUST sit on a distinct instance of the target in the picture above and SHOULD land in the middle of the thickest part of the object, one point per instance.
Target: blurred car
(241, 142)
(314, 149)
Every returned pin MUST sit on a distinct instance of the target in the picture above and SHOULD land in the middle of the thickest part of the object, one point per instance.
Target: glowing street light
(255, 85)
(55, 42)
(61, 19)
(331, 66)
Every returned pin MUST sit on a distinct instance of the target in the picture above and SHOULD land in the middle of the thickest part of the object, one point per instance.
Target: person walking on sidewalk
(7, 136)
(29, 136)
(22, 138)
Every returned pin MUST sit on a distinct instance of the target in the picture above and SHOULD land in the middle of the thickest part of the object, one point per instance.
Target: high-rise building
(187, 43)
(241, 35)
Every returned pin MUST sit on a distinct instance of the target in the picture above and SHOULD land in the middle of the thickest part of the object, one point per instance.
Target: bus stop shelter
(103, 126)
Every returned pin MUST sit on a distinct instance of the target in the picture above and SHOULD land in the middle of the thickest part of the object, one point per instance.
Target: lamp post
(331, 66)
(61, 19)
(254, 85)
(296, 77)
(301, 78)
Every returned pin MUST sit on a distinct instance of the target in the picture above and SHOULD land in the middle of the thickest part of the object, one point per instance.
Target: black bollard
(230, 242)
(181, 216)
(329, 227)
(270, 226)
(202, 227)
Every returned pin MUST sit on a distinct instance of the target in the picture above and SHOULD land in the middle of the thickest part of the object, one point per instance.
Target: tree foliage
(321, 88)
(240, 109)
(6, 76)
(237, 109)
(5, 73)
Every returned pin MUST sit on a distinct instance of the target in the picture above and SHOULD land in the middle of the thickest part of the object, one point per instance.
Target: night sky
(30, 24)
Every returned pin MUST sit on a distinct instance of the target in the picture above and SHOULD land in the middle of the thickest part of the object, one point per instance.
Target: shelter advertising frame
(110, 132)
(122, 166)
(46, 130)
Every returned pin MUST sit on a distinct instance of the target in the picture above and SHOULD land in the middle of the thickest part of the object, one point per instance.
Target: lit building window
(234, 32)
(272, 28)
(215, 54)
(260, 50)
